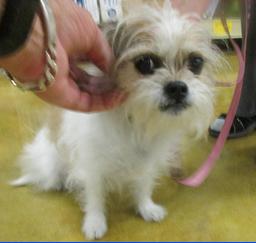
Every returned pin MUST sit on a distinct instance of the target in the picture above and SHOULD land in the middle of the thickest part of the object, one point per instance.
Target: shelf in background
(217, 30)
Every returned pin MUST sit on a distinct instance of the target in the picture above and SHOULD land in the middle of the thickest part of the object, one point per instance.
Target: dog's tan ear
(114, 33)
(125, 34)
(136, 27)
(109, 30)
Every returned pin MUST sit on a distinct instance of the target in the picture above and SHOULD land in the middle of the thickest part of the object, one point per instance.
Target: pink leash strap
(202, 173)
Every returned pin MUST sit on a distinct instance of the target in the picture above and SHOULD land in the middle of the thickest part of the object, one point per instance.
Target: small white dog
(165, 62)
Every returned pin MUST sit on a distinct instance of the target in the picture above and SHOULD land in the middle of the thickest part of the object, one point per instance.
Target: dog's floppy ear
(114, 34)
(109, 30)
(128, 33)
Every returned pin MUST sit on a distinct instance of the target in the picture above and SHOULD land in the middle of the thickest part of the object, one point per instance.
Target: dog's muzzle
(175, 97)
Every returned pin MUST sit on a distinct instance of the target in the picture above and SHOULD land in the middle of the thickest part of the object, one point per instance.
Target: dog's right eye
(147, 64)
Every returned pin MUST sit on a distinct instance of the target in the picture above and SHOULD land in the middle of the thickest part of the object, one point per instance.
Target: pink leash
(202, 173)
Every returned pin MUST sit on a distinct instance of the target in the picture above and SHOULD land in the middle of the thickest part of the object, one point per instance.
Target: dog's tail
(41, 164)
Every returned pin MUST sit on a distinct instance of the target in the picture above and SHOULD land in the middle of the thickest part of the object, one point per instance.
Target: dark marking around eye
(195, 63)
(147, 64)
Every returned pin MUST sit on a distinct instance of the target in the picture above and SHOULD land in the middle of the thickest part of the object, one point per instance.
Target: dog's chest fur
(115, 146)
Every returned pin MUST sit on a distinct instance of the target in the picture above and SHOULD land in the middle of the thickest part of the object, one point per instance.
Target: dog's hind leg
(41, 164)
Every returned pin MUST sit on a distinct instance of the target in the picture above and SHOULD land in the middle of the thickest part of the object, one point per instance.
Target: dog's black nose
(176, 90)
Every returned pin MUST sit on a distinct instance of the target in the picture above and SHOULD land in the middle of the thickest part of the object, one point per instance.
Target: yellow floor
(222, 209)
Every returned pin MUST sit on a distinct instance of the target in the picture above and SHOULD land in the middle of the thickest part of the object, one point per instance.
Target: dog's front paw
(94, 226)
(152, 212)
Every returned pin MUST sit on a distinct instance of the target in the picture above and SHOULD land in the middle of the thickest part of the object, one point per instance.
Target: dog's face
(165, 62)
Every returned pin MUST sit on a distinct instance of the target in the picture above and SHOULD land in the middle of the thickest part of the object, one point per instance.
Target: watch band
(15, 24)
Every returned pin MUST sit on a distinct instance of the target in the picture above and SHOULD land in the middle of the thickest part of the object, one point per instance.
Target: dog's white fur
(130, 147)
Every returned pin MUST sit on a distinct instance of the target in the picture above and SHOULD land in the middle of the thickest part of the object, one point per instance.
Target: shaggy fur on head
(165, 62)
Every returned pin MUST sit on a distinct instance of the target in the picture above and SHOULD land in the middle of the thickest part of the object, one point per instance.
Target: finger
(90, 41)
(85, 102)
(100, 52)
(91, 84)
(67, 95)
(107, 101)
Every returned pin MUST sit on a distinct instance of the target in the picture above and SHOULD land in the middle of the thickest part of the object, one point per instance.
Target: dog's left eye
(195, 63)
(147, 64)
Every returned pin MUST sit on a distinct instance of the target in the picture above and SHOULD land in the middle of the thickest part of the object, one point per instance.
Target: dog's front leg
(142, 193)
(94, 225)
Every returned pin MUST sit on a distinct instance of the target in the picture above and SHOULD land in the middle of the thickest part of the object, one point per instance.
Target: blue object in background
(80, 3)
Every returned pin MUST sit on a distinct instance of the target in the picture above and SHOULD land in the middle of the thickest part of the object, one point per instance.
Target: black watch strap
(15, 24)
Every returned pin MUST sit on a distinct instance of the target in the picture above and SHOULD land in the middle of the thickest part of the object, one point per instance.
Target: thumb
(80, 35)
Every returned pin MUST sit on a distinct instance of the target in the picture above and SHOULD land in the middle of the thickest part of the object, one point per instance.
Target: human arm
(77, 37)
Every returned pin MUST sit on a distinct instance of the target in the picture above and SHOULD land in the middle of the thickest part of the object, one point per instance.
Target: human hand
(78, 37)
